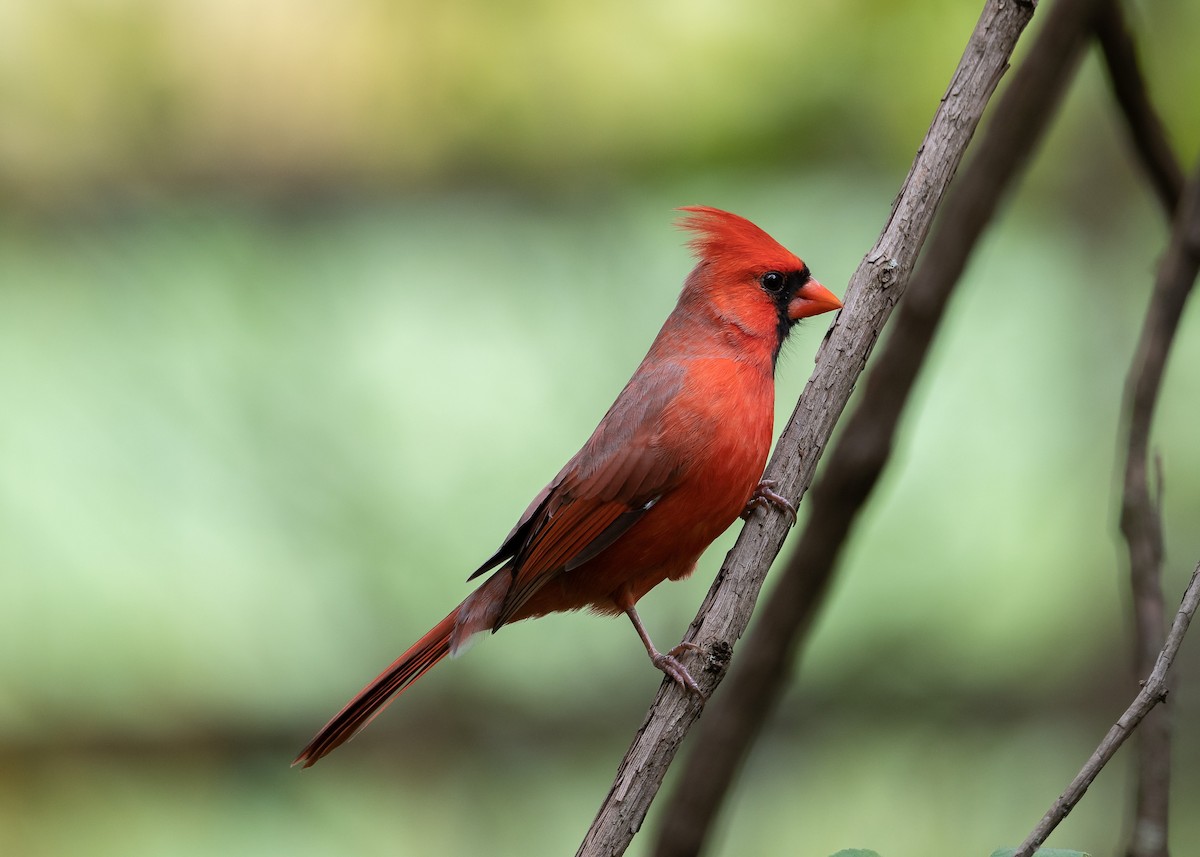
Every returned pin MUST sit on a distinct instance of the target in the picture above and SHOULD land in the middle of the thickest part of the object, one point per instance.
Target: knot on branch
(717, 657)
(885, 270)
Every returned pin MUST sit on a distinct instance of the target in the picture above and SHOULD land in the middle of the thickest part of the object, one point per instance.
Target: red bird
(677, 458)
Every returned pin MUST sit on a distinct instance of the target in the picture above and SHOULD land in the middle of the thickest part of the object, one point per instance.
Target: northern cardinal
(677, 458)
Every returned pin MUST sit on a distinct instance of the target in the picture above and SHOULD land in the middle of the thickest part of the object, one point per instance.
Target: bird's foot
(765, 497)
(669, 664)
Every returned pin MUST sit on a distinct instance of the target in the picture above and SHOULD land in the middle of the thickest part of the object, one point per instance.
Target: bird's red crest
(729, 240)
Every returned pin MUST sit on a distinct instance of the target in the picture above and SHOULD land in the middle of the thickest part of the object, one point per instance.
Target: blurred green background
(301, 302)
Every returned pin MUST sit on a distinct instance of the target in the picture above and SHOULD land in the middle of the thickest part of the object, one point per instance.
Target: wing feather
(619, 475)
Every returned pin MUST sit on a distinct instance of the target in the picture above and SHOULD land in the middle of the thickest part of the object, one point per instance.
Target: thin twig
(1146, 130)
(874, 289)
(1154, 690)
(853, 466)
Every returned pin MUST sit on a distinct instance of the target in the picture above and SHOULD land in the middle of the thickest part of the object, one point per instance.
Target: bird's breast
(721, 423)
(722, 420)
(727, 414)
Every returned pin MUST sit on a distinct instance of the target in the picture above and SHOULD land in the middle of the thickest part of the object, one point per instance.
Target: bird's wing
(620, 474)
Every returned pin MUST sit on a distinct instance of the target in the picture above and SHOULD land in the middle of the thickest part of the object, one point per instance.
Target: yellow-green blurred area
(302, 302)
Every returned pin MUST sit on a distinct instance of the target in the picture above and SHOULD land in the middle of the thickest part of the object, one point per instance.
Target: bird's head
(748, 278)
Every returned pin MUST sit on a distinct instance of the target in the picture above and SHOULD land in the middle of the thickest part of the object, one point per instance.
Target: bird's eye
(773, 281)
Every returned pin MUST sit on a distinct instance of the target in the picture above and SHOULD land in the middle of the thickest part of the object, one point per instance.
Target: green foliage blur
(301, 303)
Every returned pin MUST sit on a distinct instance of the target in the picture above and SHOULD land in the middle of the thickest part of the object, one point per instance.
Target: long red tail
(373, 698)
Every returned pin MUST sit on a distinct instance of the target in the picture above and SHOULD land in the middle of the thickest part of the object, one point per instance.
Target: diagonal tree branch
(854, 465)
(1154, 690)
(874, 289)
(1146, 130)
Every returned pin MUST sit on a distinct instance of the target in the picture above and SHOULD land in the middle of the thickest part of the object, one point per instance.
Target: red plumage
(674, 462)
(728, 242)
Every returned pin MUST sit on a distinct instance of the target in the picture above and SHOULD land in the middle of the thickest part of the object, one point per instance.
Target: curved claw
(765, 497)
(670, 665)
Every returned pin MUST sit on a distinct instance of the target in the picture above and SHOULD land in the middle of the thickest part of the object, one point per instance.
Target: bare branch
(1154, 690)
(1141, 523)
(854, 465)
(874, 289)
(1129, 88)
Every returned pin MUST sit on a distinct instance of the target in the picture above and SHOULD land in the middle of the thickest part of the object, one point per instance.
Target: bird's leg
(668, 663)
(765, 497)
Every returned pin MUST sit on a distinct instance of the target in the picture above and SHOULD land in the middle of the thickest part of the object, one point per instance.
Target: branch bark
(874, 289)
(1154, 690)
(863, 448)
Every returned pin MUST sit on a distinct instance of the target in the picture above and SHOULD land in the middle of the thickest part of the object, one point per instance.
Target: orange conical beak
(812, 299)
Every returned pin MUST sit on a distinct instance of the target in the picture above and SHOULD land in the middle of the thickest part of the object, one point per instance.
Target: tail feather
(376, 696)
(448, 637)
